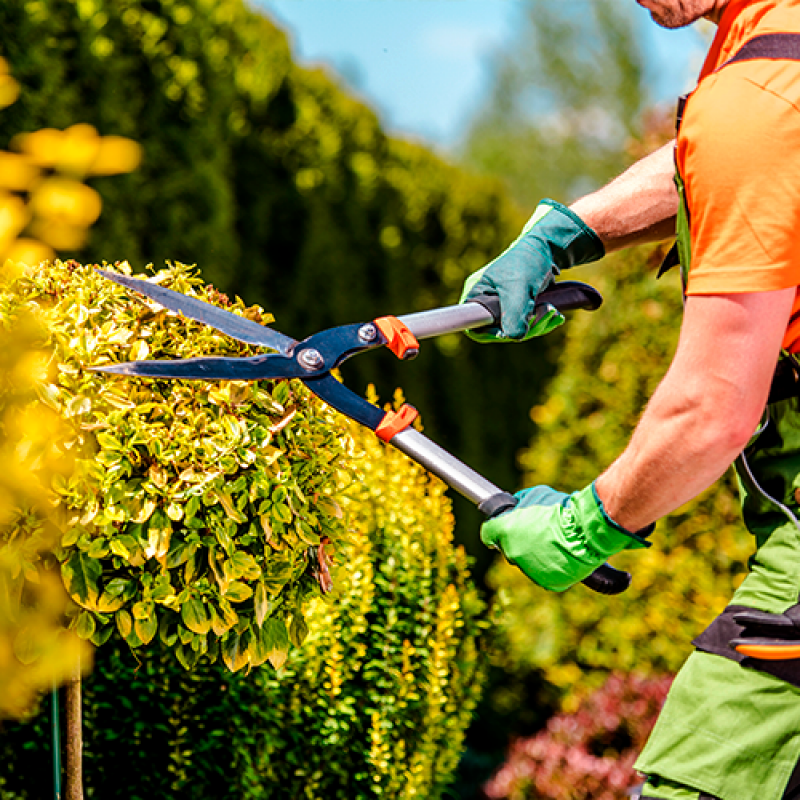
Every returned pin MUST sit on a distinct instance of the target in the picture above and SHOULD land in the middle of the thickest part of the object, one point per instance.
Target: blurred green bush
(284, 189)
(611, 364)
(375, 703)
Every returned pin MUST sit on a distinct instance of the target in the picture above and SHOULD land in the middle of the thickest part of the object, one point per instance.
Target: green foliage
(568, 97)
(375, 703)
(283, 189)
(191, 507)
(612, 361)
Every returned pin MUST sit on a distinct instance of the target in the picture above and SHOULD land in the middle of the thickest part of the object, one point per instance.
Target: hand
(557, 539)
(553, 239)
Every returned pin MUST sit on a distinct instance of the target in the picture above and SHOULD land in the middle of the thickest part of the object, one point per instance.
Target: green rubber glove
(553, 239)
(558, 539)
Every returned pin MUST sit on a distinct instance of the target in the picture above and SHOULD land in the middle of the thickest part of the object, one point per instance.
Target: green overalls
(730, 727)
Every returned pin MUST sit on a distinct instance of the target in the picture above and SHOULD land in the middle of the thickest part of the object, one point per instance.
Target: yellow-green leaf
(194, 615)
(146, 628)
(238, 592)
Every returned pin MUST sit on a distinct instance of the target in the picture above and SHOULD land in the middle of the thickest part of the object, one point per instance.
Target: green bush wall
(611, 364)
(284, 189)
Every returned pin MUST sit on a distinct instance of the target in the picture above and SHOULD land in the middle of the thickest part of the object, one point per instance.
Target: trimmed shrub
(374, 704)
(192, 508)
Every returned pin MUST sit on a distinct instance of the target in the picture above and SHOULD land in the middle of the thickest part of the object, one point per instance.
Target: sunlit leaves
(35, 648)
(190, 506)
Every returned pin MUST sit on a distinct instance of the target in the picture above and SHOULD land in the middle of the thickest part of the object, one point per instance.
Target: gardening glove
(553, 239)
(558, 539)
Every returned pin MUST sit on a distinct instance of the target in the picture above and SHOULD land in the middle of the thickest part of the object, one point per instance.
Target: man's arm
(706, 408)
(637, 207)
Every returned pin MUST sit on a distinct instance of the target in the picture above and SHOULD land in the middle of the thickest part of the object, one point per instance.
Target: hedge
(375, 703)
(285, 190)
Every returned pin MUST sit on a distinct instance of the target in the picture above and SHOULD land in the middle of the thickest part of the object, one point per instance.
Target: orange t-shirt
(738, 152)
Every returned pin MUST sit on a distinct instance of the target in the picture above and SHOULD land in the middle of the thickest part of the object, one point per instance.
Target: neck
(716, 13)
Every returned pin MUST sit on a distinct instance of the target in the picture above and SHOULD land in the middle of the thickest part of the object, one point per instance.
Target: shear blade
(240, 328)
(212, 368)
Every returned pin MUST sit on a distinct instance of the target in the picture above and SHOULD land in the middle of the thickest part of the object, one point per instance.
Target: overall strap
(769, 46)
(775, 46)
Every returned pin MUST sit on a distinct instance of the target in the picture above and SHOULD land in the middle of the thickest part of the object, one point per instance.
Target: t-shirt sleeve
(739, 153)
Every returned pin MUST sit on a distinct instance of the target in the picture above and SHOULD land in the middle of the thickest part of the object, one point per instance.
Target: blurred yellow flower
(116, 155)
(80, 151)
(17, 173)
(14, 216)
(29, 251)
(64, 201)
(9, 88)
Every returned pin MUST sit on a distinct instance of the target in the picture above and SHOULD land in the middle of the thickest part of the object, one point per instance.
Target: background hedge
(284, 190)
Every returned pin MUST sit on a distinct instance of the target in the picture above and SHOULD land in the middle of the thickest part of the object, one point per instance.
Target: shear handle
(490, 500)
(485, 310)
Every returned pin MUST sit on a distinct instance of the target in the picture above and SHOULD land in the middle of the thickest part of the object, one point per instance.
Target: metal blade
(226, 322)
(212, 368)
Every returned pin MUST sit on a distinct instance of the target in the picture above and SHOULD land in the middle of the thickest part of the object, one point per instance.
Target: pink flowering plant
(586, 754)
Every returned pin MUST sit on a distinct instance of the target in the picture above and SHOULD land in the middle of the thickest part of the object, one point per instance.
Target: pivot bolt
(311, 359)
(367, 333)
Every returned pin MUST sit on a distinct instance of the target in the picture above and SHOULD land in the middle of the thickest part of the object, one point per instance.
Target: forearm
(681, 446)
(637, 207)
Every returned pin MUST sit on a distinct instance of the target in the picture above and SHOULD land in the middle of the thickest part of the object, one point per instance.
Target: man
(730, 728)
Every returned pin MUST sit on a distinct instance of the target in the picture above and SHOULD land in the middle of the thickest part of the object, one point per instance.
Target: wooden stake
(73, 756)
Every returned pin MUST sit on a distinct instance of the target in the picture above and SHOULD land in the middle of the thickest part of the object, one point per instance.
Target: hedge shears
(312, 360)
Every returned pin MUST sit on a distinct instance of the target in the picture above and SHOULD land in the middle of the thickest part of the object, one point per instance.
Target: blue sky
(423, 64)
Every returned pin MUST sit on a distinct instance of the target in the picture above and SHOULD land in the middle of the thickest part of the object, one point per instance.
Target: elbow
(730, 423)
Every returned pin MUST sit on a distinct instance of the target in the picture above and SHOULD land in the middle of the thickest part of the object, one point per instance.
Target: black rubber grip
(604, 580)
(564, 295)
(608, 580)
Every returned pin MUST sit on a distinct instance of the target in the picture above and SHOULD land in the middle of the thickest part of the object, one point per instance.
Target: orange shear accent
(401, 341)
(767, 652)
(396, 421)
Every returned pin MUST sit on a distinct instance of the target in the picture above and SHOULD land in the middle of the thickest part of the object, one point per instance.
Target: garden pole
(73, 762)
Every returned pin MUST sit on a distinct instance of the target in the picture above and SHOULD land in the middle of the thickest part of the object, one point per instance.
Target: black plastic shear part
(312, 360)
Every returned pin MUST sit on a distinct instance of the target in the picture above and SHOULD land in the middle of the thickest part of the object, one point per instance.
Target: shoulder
(746, 114)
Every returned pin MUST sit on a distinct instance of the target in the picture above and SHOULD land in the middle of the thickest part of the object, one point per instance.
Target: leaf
(275, 640)
(124, 623)
(262, 603)
(298, 630)
(118, 591)
(226, 502)
(102, 635)
(186, 656)
(85, 626)
(244, 566)
(81, 576)
(237, 592)
(194, 615)
(233, 653)
(146, 628)
(159, 533)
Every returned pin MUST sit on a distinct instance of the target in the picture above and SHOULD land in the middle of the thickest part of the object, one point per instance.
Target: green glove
(558, 539)
(553, 239)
